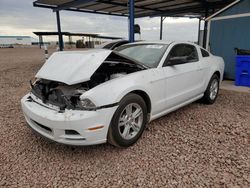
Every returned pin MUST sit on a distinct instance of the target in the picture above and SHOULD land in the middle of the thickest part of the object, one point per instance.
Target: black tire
(207, 95)
(114, 136)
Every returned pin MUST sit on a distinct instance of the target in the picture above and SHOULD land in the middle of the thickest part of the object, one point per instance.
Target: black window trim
(166, 60)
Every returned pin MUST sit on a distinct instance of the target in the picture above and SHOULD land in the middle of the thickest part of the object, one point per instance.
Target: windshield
(147, 54)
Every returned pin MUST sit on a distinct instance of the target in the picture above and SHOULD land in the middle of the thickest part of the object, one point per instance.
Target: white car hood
(72, 67)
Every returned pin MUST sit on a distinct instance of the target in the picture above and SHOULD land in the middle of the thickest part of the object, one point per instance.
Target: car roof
(152, 42)
(164, 43)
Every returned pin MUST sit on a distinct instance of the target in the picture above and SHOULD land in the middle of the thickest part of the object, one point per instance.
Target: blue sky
(19, 17)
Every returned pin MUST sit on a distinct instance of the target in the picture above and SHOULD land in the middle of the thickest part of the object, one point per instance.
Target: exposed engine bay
(68, 96)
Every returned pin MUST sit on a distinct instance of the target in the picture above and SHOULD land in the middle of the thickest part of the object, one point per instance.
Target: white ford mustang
(91, 97)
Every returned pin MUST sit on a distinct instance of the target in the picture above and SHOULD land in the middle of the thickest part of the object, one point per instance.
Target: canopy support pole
(70, 41)
(161, 26)
(199, 31)
(60, 37)
(131, 21)
(205, 29)
(40, 41)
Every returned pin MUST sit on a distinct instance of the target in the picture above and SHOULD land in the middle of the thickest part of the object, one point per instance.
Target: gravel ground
(196, 146)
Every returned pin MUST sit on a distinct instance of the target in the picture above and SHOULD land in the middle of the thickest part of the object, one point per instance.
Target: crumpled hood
(72, 67)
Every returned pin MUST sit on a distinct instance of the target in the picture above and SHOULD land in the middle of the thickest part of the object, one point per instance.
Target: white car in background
(113, 44)
(91, 97)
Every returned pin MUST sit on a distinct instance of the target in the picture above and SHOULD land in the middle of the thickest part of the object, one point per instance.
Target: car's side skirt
(176, 107)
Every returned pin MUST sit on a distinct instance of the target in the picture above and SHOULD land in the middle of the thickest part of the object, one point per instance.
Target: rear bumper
(70, 127)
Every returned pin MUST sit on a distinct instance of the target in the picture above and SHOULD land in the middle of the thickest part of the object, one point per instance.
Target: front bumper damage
(71, 127)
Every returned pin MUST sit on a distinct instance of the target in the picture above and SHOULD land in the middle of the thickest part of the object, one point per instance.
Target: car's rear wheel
(128, 122)
(212, 90)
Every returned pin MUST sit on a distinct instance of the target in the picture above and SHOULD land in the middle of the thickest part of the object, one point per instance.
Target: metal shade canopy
(69, 34)
(142, 8)
(136, 9)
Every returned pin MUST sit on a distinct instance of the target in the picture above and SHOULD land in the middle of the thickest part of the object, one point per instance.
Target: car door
(183, 75)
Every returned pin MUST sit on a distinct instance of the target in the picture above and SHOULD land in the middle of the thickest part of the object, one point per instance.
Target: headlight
(87, 104)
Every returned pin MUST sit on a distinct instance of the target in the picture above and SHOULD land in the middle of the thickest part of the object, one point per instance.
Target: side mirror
(177, 60)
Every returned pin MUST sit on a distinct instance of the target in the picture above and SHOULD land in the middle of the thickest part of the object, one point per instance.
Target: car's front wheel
(212, 90)
(128, 122)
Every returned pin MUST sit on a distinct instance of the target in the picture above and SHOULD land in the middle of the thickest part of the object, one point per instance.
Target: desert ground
(196, 146)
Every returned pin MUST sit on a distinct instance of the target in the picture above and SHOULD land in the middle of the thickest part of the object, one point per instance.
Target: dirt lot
(197, 146)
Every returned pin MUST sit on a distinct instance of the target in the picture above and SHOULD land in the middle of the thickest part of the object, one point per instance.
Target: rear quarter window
(204, 53)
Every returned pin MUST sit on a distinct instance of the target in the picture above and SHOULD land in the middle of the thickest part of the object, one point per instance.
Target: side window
(186, 52)
(204, 53)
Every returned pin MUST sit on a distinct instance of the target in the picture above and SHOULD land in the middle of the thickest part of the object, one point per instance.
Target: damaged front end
(58, 94)
(67, 96)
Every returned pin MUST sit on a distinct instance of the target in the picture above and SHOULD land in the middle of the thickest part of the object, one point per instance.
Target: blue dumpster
(242, 70)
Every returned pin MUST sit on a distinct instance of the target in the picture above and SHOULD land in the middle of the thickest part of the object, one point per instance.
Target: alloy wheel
(130, 121)
(214, 88)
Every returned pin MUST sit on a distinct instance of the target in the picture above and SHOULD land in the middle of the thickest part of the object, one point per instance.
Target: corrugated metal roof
(65, 33)
(75, 34)
(222, 10)
(143, 8)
